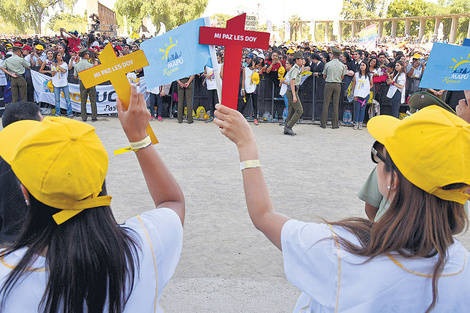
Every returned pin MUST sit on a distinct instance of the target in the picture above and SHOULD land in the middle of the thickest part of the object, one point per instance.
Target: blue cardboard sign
(175, 54)
(448, 68)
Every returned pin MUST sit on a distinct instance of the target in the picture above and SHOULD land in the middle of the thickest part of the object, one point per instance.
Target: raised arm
(163, 187)
(260, 208)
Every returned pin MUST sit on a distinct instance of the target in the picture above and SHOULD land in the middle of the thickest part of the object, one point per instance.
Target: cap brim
(420, 100)
(382, 126)
(10, 138)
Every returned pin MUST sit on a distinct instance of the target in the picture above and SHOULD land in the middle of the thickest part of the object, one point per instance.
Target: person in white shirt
(407, 261)
(59, 81)
(72, 255)
(396, 90)
(362, 84)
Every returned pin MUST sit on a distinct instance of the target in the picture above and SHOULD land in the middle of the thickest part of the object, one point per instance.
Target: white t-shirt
(60, 78)
(210, 81)
(333, 280)
(401, 80)
(362, 86)
(166, 238)
(249, 86)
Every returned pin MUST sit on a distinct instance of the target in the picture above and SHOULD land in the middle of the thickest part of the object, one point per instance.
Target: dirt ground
(226, 264)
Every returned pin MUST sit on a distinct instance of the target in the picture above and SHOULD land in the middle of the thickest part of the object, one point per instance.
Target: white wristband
(141, 144)
(249, 164)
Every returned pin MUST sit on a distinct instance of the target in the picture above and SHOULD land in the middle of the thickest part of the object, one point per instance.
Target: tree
(360, 9)
(221, 19)
(132, 11)
(172, 13)
(67, 21)
(409, 8)
(30, 13)
(452, 7)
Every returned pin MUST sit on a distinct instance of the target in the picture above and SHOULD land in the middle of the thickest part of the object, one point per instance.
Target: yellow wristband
(249, 164)
(144, 143)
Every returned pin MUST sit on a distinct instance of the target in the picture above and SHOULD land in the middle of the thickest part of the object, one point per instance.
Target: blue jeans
(359, 109)
(159, 104)
(65, 90)
(395, 103)
(286, 101)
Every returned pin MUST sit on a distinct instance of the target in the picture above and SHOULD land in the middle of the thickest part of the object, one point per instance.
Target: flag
(448, 68)
(368, 36)
(269, 26)
(175, 54)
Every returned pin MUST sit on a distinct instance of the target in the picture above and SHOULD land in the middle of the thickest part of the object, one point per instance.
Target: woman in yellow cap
(71, 256)
(409, 260)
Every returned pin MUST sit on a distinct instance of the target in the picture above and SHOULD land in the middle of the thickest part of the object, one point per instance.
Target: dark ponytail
(91, 260)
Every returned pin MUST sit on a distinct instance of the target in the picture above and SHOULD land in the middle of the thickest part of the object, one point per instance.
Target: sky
(274, 10)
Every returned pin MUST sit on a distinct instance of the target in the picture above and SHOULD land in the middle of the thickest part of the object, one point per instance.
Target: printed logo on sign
(460, 71)
(173, 58)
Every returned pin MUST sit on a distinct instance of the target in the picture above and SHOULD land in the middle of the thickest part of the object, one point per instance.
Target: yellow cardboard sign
(115, 69)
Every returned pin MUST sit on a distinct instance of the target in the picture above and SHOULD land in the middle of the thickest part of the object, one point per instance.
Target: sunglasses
(375, 155)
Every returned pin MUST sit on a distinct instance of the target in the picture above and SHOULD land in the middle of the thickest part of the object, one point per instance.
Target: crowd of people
(399, 67)
(68, 254)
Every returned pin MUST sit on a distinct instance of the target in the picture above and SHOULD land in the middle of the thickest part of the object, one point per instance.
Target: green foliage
(221, 19)
(406, 8)
(132, 11)
(172, 13)
(24, 14)
(360, 9)
(68, 21)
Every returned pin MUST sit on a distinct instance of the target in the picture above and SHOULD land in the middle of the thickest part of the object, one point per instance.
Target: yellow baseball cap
(39, 47)
(431, 148)
(255, 78)
(61, 162)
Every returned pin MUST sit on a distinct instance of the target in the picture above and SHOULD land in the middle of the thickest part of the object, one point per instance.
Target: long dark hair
(91, 260)
(417, 224)
(367, 71)
(396, 73)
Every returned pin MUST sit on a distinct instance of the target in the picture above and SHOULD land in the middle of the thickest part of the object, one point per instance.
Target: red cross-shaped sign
(234, 38)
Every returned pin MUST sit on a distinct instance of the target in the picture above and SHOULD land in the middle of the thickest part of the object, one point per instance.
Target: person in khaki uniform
(15, 66)
(185, 89)
(292, 93)
(84, 92)
(333, 74)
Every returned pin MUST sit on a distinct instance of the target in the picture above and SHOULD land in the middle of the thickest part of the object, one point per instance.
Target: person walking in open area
(295, 106)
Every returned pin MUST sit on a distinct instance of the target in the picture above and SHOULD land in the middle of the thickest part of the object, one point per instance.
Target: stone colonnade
(394, 23)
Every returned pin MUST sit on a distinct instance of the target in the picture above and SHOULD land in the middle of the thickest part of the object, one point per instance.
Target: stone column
(436, 25)
(340, 31)
(353, 29)
(453, 29)
(394, 28)
(381, 28)
(300, 30)
(407, 26)
(327, 28)
(468, 31)
(422, 26)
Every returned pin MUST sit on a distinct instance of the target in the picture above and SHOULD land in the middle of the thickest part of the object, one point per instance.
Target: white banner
(105, 94)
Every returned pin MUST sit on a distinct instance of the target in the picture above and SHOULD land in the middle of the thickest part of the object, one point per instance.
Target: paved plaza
(226, 264)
